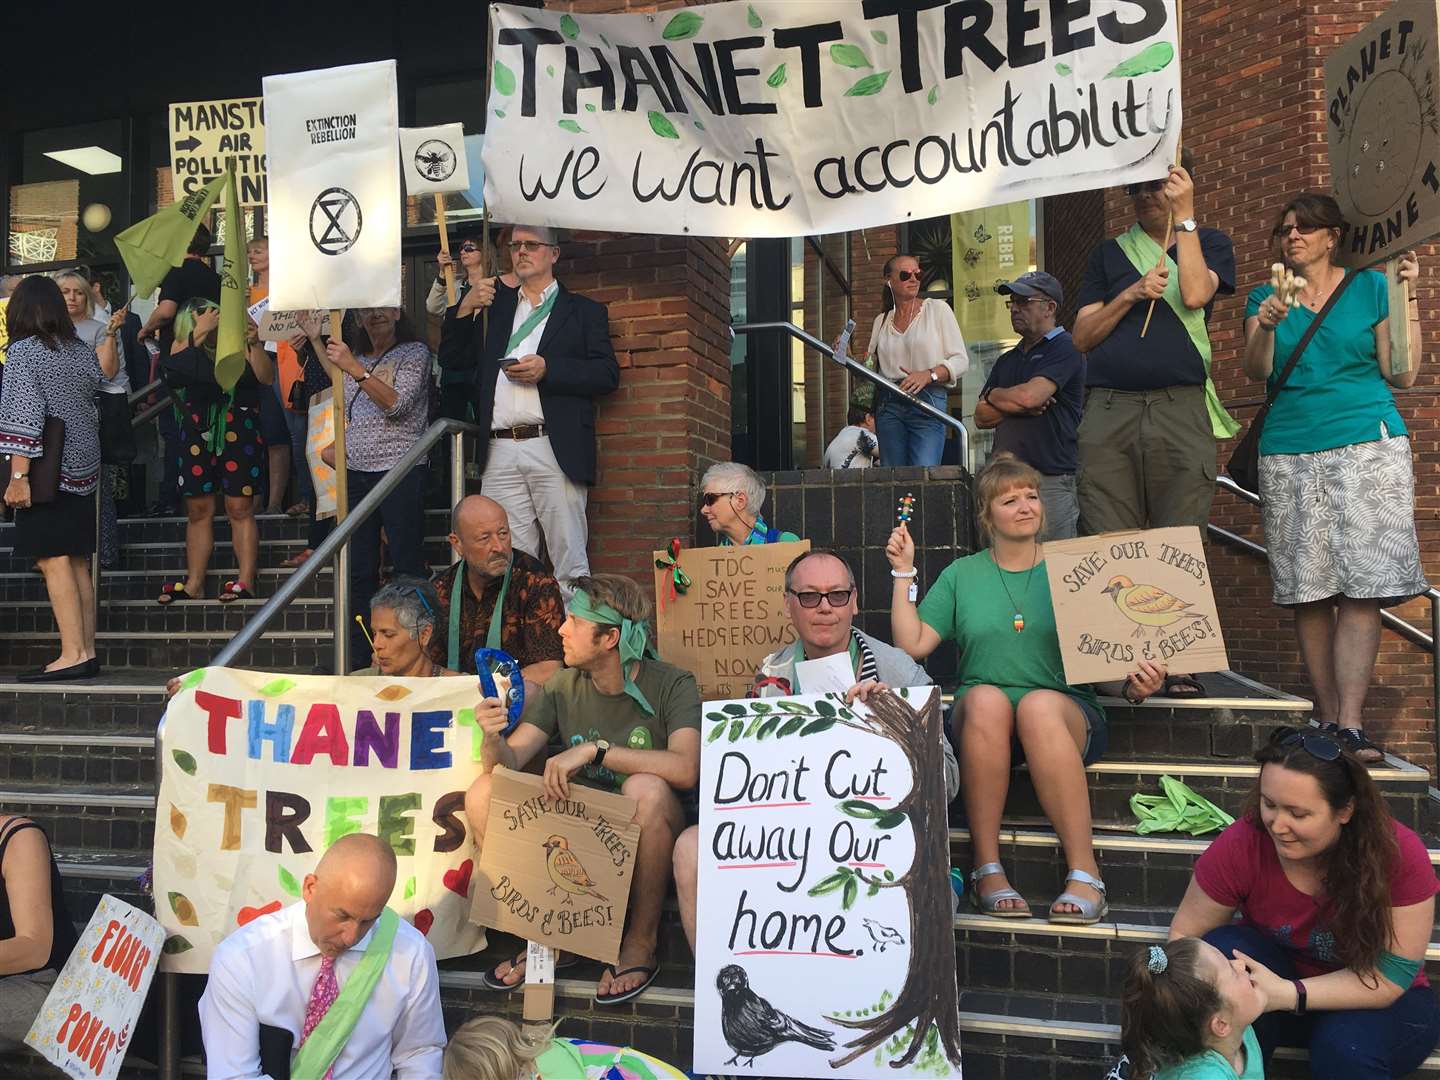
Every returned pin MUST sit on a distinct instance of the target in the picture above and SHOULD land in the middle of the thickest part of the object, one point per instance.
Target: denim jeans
(1346, 1044)
(402, 515)
(907, 435)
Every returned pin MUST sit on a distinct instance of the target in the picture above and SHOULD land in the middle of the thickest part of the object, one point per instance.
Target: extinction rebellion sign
(795, 117)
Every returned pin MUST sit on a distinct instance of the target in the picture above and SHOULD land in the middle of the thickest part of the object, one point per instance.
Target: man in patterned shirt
(492, 575)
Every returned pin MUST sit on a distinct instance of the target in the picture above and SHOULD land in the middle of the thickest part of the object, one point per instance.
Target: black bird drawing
(752, 1026)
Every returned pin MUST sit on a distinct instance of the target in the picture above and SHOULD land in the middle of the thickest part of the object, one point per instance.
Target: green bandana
(634, 642)
(1144, 253)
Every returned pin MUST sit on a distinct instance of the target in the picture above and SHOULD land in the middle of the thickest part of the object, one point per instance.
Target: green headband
(634, 641)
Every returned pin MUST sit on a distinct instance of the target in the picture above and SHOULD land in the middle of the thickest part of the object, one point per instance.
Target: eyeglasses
(906, 275)
(1149, 185)
(1280, 232)
(527, 245)
(1021, 301)
(1318, 746)
(710, 498)
(469, 247)
(836, 598)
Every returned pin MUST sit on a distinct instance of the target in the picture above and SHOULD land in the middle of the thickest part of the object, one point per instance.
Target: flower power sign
(263, 772)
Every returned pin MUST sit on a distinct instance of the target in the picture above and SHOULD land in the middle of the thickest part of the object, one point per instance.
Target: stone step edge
(190, 605)
(169, 635)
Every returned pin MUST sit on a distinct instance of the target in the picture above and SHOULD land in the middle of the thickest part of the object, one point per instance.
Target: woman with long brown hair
(1336, 902)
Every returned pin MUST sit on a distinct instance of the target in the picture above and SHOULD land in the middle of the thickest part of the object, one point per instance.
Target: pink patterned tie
(322, 996)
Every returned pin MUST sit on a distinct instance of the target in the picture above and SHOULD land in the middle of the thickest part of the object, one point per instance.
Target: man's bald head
(480, 534)
(348, 891)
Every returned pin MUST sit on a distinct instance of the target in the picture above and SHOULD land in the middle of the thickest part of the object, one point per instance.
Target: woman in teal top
(731, 495)
(1336, 479)
(1013, 700)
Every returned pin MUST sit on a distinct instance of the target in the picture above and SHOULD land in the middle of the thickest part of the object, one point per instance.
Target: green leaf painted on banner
(768, 728)
(686, 24)
(761, 708)
(755, 725)
(891, 820)
(185, 761)
(409, 888)
(184, 910)
(176, 944)
(859, 808)
(880, 36)
(828, 884)
(717, 716)
(699, 126)
(752, 17)
(825, 723)
(1062, 69)
(192, 680)
(851, 56)
(794, 724)
(1155, 58)
(288, 882)
(934, 95)
(550, 70)
(572, 126)
(735, 710)
(737, 728)
(777, 77)
(569, 27)
(852, 890)
(589, 107)
(504, 80)
(660, 124)
(716, 731)
(871, 84)
(276, 687)
(500, 113)
(824, 708)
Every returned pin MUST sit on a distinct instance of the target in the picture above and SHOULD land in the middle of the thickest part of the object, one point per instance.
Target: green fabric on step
(1179, 809)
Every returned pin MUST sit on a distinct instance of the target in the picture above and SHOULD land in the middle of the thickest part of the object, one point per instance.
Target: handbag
(1244, 463)
(45, 469)
(117, 435)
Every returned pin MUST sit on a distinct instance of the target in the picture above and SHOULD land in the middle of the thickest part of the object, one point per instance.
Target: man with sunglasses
(1035, 395)
(546, 358)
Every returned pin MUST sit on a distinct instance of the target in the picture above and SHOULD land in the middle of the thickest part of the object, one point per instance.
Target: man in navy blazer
(536, 376)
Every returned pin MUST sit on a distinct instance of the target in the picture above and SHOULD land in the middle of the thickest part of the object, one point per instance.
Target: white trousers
(523, 476)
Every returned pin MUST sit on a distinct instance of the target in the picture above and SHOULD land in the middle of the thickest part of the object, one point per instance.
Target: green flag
(151, 247)
(230, 344)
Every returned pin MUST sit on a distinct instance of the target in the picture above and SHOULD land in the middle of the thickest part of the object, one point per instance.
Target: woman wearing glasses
(731, 495)
(1336, 901)
(918, 347)
(1335, 471)
(474, 290)
(470, 272)
(1013, 703)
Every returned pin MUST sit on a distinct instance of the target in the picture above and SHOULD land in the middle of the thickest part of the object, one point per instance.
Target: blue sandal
(985, 905)
(1091, 911)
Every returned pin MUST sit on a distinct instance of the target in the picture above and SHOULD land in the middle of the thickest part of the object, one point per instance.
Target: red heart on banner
(458, 880)
(424, 919)
(250, 914)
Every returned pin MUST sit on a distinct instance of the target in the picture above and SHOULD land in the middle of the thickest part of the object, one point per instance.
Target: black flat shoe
(81, 670)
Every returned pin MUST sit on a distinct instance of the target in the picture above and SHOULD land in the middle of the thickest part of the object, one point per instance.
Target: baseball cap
(1035, 283)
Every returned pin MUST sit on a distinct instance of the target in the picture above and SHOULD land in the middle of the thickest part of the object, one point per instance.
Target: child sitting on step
(1186, 1015)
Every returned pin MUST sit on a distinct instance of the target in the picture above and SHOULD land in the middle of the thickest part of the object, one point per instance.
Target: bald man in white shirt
(272, 970)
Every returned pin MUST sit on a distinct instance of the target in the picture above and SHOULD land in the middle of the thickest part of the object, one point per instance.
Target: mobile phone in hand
(509, 361)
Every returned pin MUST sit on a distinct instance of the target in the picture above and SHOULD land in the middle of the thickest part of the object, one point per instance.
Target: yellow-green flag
(230, 340)
(152, 247)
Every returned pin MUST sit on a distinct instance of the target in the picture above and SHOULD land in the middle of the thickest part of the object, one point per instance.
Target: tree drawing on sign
(924, 1017)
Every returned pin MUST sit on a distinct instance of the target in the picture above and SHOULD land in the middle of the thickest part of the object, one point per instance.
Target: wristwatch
(601, 746)
(934, 375)
(362, 376)
(1188, 225)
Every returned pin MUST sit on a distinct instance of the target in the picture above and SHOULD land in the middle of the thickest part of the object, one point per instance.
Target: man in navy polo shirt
(1035, 395)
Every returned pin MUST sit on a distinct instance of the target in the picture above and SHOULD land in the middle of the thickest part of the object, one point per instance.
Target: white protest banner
(263, 772)
(798, 117)
(334, 209)
(434, 159)
(824, 890)
(204, 133)
(85, 1025)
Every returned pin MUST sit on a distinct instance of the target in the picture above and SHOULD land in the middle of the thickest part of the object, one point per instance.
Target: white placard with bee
(433, 159)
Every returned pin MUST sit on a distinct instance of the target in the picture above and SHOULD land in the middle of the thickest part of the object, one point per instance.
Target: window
(69, 196)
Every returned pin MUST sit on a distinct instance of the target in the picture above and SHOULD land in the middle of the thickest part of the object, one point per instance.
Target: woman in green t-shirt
(1335, 470)
(1012, 702)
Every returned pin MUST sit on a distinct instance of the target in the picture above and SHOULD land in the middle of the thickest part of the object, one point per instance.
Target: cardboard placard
(204, 133)
(553, 871)
(263, 772)
(1383, 126)
(1128, 596)
(730, 618)
(85, 1025)
(284, 325)
(824, 890)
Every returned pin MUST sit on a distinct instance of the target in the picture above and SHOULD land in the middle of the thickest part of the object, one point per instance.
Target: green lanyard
(457, 597)
(534, 319)
(319, 1051)
(854, 663)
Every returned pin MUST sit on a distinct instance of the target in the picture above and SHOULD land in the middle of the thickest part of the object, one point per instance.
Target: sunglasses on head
(1317, 745)
(1280, 232)
(906, 275)
(710, 498)
(1149, 185)
(836, 597)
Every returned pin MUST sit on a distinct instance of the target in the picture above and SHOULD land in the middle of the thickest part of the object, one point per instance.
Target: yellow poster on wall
(988, 247)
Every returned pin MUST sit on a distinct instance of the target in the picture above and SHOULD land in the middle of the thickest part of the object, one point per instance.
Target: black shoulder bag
(1244, 463)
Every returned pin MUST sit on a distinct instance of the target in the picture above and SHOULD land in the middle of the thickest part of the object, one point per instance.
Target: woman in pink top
(1336, 902)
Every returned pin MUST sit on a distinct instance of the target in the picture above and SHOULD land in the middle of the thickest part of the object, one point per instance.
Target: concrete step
(277, 650)
(18, 586)
(310, 613)
(118, 702)
(116, 817)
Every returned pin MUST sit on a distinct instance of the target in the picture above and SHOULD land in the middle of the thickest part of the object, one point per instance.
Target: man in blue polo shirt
(1034, 397)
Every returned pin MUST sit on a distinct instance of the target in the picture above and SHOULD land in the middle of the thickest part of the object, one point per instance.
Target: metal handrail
(856, 368)
(1408, 631)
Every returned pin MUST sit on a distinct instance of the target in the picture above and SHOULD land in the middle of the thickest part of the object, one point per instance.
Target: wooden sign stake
(539, 992)
(445, 247)
(1400, 294)
(337, 403)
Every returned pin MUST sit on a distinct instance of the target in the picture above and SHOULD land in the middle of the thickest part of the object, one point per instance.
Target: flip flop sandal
(493, 982)
(299, 509)
(1091, 911)
(298, 558)
(1183, 687)
(616, 999)
(1358, 743)
(985, 905)
(170, 593)
(234, 590)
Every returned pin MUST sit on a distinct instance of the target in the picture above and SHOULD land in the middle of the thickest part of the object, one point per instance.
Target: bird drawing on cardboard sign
(1145, 605)
(566, 871)
(752, 1026)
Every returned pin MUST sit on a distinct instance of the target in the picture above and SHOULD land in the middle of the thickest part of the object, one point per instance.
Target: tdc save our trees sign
(825, 945)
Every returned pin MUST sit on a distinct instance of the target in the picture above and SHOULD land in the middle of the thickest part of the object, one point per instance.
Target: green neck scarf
(1144, 254)
(534, 319)
(331, 1034)
(457, 597)
(634, 642)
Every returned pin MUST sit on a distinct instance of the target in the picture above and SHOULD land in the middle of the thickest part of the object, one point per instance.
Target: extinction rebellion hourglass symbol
(335, 221)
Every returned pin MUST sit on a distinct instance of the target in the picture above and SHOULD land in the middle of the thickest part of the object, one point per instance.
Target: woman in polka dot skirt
(222, 451)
